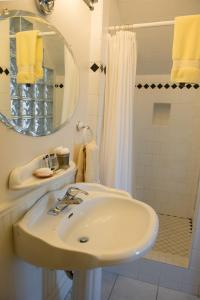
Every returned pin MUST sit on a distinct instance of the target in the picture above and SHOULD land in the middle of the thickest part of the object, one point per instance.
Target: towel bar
(39, 34)
(80, 126)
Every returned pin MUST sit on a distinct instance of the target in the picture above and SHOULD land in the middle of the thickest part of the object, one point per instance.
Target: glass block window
(31, 104)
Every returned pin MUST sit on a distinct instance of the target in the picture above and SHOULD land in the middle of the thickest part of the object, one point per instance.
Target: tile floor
(174, 241)
(123, 288)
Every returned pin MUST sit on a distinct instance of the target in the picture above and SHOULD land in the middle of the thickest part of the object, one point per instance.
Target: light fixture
(90, 3)
(45, 6)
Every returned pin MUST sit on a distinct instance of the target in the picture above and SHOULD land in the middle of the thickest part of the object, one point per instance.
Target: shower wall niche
(31, 104)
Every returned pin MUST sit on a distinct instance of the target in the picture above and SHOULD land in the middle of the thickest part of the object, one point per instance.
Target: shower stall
(166, 122)
(166, 126)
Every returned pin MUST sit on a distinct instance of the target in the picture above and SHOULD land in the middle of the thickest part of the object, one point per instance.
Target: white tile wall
(95, 56)
(167, 156)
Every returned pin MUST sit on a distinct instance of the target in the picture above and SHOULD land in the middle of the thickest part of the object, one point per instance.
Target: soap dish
(43, 173)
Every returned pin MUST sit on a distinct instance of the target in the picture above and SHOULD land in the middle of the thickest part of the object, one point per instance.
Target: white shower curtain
(116, 153)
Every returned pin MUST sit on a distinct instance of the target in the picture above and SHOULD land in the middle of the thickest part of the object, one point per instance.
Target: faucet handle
(73, 191)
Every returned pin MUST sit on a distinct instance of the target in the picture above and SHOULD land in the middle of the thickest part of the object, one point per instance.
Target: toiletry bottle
(63, 155)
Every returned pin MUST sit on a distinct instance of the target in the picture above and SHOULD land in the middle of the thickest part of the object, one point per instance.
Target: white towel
(92, 163)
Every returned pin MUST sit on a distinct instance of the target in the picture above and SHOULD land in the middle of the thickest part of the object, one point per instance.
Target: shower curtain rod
(142, 25)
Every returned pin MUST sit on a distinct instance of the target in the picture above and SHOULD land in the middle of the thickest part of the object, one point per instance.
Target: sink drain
(83, 239)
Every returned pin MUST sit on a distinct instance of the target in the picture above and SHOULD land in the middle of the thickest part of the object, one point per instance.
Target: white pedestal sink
(107, 228)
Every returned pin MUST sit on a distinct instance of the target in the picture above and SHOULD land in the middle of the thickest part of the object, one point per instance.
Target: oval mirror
(39, 78)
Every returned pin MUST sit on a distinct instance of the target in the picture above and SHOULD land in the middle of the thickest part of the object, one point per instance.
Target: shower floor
(174, 241)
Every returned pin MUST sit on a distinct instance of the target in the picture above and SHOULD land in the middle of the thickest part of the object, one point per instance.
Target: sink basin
(107, 228)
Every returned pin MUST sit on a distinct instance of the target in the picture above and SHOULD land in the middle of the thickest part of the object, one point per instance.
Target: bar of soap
(43, 173)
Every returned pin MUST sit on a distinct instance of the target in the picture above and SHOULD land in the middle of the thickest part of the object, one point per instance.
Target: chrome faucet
(69, 198)
(72, 192)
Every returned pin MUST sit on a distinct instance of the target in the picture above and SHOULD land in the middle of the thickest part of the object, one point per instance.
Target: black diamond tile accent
(104, 70)
(56, 85)
(94, 67)
(168, 85)
(101, 68)
(6, 71)
(61, 85)
(181, 85)
(1, 70)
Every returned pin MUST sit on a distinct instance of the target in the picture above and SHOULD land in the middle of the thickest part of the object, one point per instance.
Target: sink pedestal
(87, 285)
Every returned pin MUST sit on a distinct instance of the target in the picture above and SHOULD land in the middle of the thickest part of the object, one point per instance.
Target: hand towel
(92, 163)
(76, 151)
(39, 58)
(29, 56)
(186, 49)
(81, 164)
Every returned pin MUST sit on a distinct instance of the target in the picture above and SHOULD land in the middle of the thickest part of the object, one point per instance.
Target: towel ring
(80, 126)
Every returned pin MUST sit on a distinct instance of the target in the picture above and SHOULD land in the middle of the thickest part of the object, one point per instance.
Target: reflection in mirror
(43, 106)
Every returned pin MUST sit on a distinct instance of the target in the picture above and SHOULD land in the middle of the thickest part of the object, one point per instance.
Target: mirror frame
(9, 123)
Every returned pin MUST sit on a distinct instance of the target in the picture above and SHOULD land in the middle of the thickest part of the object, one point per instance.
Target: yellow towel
(39, 58)
(81, 164)
(29, 56)
(186, 49)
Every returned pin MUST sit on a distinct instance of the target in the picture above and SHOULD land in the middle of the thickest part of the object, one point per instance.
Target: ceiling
(155, 44)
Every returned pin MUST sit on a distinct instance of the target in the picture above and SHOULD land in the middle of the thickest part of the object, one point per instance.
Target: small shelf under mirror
(22, 178)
